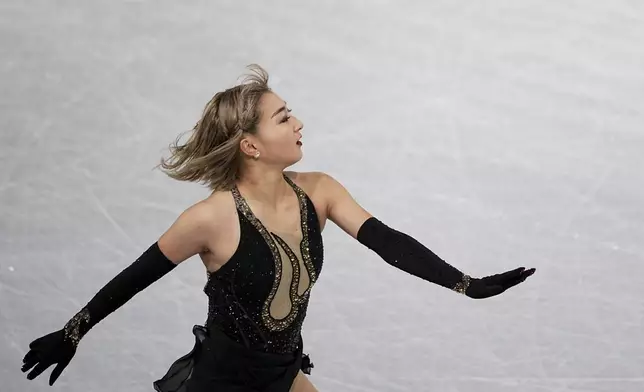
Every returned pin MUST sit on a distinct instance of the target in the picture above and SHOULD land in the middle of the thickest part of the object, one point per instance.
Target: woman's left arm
(404, 252)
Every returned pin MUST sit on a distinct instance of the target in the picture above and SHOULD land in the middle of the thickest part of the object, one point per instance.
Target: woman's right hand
(48, 350)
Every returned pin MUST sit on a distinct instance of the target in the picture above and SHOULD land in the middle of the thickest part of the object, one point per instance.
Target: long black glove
(60, 346)
(405, 253)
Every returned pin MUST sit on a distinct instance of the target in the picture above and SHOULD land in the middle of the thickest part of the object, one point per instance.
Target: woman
(259, 237)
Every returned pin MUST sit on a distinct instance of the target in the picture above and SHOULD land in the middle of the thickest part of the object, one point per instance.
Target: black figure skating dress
(252, 339)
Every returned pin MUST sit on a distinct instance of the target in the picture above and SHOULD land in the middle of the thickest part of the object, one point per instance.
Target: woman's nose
(298, 125)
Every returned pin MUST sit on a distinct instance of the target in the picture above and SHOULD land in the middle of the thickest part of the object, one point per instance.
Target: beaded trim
(461, 287)
(304, 244)
(269, 321)
(72, 328)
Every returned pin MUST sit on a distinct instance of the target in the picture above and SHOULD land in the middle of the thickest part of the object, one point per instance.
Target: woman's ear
(247, 147)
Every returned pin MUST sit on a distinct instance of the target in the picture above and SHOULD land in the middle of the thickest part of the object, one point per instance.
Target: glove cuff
(77, 326)
(462, 286)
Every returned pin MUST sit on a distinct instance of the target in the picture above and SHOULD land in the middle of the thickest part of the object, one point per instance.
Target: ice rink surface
(498, 133)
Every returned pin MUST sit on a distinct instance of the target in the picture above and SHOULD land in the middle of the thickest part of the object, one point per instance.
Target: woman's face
(277, 134)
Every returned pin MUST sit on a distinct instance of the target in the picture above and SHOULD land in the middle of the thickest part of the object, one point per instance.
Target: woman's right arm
(186, 237)
(190, 234)
(193, 231)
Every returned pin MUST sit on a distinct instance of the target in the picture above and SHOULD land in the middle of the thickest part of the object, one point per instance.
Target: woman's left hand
(490, 286)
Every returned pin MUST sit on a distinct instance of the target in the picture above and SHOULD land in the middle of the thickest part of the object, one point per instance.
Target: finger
(30, 356)
(503, 277)
(520, 279)
(29, 364)
(36, 342)
(527, 273)
(512, 274)
(43, 339)
(57, 372)
(41, 367)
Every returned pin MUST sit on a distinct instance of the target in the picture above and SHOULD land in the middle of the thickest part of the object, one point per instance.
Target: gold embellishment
(270, 322)
(72, 328)
(304, 218)
(461, 287)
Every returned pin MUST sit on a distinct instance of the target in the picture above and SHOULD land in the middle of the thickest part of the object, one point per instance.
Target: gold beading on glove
(461, 287)
(72, 328)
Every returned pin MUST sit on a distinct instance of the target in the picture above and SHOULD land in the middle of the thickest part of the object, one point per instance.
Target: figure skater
(258, 235)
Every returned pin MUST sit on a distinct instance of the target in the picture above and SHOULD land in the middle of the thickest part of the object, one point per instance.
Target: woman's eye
(286, 118)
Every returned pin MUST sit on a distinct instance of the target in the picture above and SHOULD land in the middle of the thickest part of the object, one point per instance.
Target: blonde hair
(212, 155)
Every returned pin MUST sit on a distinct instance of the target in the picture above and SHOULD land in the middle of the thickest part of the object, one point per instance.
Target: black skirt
(217, 364)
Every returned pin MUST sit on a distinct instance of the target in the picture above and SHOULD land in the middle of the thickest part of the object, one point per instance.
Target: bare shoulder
(302, 178)
(316, 184)
(219, 202)
(312, 183)
(333, 198)
(196, 228)
(211, 210)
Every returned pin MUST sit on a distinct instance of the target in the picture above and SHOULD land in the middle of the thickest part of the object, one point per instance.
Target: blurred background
(497, 133)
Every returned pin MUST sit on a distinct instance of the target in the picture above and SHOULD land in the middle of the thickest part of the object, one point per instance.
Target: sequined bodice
(260, 296)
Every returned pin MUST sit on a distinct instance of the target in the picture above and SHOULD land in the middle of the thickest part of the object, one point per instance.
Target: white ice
(499, 134)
